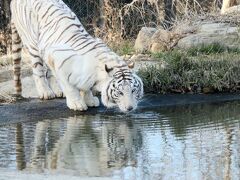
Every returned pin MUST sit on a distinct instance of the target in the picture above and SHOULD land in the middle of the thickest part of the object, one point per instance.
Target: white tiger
(62, 52)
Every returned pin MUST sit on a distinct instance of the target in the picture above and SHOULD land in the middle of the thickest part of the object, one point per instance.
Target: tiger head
(124, 89)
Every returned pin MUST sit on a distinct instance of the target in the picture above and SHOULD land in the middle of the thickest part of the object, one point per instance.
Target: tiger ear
(131, 64)
(108, 70)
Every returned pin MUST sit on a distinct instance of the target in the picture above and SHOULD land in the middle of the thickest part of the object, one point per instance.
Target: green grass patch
(210, 71)
(123, 47)
(169, 56)
(214, 48)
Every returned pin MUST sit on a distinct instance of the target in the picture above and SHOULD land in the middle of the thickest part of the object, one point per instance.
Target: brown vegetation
(6, 98)
(120, 19)
(4, 26)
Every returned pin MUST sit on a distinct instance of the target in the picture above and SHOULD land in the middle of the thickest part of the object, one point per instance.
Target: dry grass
(6, 98)
(112, 20)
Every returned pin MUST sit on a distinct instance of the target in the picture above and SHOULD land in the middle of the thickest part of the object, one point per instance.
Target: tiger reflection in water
(86, 147)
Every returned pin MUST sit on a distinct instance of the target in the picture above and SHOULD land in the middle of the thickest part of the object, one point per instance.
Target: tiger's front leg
(64, 62)
(90, 100)
(73, 98)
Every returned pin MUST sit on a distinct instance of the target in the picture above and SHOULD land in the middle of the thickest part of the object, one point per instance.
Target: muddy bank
(34, 110)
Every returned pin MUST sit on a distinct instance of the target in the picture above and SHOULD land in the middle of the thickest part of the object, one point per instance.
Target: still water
(188, 142)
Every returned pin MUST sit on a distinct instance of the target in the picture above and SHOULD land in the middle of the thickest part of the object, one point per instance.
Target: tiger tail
(16, 58)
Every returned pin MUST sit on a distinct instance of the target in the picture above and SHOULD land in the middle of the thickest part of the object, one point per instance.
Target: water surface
(188, 142)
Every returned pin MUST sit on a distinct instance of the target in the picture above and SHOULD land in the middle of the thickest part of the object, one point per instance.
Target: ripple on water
(189, 142)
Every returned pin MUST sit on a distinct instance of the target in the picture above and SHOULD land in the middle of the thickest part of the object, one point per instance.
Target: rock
(6, 72)
(164, 40)
(158, 47)
(143, 40)
(161, 35)
(160, 41)
(209, 33)
(185, 27)
(186, 35)
(28, 87)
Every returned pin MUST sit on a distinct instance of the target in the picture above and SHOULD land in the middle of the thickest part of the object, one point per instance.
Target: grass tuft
(6, 98)
(214, 48)
(212, 70)
(123, 47)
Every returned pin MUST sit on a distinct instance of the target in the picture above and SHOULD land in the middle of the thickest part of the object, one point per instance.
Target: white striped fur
(63, 53)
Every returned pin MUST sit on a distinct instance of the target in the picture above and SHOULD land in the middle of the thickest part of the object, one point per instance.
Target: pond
(200, 141)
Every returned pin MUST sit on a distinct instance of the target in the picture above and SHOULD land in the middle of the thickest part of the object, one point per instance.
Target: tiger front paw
(92, 102)
(77, 105)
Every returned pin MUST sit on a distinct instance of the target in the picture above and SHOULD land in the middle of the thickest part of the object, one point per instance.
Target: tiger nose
(130, 108)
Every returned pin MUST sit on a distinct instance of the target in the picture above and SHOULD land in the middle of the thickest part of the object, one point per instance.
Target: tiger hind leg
(16, 56)
(54, 84)
(39, 74)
